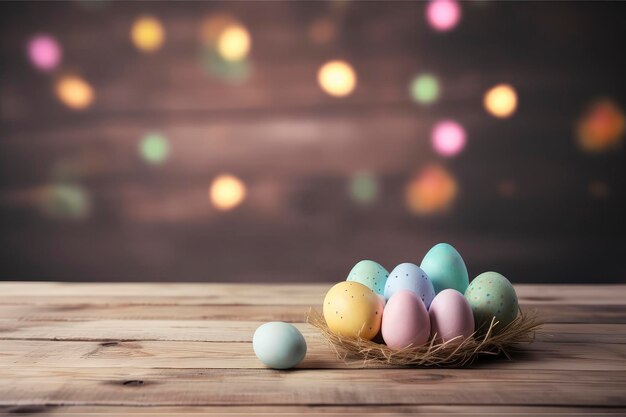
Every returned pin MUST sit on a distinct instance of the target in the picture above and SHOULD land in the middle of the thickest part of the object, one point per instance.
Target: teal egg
(279, 345)
(446, 269)
(492, 295)
(371, 274)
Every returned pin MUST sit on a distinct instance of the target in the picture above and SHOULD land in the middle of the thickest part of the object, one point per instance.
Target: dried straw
(494, 341)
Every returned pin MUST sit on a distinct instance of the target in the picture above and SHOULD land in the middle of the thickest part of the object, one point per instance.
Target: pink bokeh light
(44, 52)
(443, 15)
(448, 138)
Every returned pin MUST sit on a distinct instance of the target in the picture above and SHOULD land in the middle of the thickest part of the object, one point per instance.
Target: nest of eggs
(453, 353)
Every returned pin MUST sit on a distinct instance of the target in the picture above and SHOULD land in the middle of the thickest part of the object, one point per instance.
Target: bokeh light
(322, 31)
(44, 52)
(507, 188)
(213, 26)
(602, 127)
(74, 92)
(598, 189)
(227, 192)
(154, 148)
(65, 201)
(501, 101)
(424, 88)
(147, 34)
(431, 191)
(337, 78)
(363, 188)
(448, 138)
(443, 15)
(233, 43)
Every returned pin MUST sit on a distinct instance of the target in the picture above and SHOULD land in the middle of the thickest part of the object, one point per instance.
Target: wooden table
(166, 349)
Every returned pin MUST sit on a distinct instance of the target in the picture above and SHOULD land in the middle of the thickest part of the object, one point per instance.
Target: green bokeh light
(425, 89)
(364, 188)
(65, 201)
(154, 148)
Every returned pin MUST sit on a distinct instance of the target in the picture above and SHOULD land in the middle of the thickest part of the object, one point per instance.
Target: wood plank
(240, 331)
(95, 310)
(313, 410)
(261, 294)
(130, 386)
(229, 355)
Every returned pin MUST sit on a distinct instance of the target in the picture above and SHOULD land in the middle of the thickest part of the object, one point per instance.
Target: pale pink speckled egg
(405, 321)
(451, 316)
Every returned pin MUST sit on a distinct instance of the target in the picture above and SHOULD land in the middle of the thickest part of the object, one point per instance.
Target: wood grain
(169, 349)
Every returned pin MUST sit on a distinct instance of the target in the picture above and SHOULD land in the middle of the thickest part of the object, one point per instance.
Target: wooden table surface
(166, 349)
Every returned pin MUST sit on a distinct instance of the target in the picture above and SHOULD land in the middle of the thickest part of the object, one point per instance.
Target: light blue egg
(410, 277)
(371, 274)
(446, 268)
(279, 345)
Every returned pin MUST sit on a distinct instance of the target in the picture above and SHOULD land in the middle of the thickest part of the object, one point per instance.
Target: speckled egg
(353, 310)
(279, 345)
(446, 268)
(405, 321)
(451, 317)
(371, 274)
(492, 295)
(410, 277)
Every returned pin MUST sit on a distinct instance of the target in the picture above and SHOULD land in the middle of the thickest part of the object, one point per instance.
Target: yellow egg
(353, 310)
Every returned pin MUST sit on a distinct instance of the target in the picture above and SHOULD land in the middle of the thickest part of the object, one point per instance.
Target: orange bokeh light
(602, 127)
(74, 92)
(431, 191)
(227, 192)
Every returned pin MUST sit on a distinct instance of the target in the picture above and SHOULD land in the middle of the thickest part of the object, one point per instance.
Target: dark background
(531, 203)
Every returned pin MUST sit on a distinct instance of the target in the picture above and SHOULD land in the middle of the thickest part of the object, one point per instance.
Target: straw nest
(493, 341)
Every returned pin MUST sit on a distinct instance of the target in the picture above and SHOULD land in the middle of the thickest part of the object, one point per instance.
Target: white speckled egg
(279, 345)
(408, 276)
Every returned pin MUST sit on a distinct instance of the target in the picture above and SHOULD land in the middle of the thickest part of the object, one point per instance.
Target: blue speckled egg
(446, 268)
(279, 345)
(408, 276)
(371, 274)
(492, 295)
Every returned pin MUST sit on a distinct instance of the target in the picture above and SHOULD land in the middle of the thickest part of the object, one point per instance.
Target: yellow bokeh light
(147, 34)
(431, 191)
(74, 92)
(501, 101)
(233, 43)
(227, 192)
(337, 78)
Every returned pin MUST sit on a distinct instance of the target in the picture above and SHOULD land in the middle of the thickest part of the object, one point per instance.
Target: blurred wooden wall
(296, 148)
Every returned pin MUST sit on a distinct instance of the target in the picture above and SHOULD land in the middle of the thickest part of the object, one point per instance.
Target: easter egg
(371, 274)
(451, 317)
(405, 321)
(353, 310)
(446, 268)
(279, 345)
(410, 277)
(492, 295)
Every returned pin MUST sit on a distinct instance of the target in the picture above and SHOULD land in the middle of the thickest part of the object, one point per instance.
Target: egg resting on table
(279, 345)
(371, 274)
(446, 268)
(353, 310)
(408, 276)
(451, 317)
(491, 295)
(405, 321)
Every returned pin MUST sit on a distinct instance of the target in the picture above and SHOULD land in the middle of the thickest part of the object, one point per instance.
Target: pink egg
(405, 321)
(451, 316)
